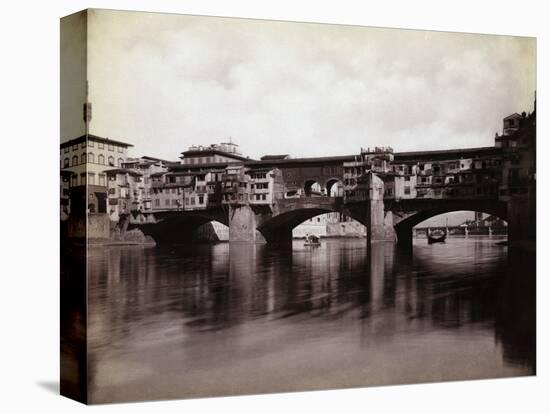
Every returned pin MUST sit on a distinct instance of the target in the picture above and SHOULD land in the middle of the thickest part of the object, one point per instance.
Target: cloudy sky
(164, 82)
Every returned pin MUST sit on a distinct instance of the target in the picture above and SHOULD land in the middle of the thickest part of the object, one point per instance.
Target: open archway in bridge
(313, 189)
(463, 223)
(335, 187)
(334, 224)
(317, 221)
(184, 227)
(404, 223)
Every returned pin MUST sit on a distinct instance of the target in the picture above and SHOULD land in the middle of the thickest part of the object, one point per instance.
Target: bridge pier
(243, 222)
(404, 235)
(379, 222)
(522, 217)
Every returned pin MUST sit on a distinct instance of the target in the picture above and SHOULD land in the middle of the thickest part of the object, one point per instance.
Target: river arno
(200, 320)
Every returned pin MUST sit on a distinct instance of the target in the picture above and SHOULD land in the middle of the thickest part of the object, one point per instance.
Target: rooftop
(95, 138)
(513, 116)
(290, 161)
(447, 154)
(205, 166)
(146, 157)
(275, 157)
(211, 151)
(123, 171)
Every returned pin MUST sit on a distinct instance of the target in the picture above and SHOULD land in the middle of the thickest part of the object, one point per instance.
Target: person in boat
(436, 236)
(312, 239)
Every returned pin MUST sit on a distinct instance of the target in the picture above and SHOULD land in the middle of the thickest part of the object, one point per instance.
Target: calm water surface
(202, 320)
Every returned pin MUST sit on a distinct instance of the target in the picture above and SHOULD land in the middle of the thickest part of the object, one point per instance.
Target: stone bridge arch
(330, 184)
(178, 226)
(313, 187)
(291, 212)
(409, 213)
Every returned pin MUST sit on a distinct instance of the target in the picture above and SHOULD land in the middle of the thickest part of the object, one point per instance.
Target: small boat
(436, 236)
(312, 241)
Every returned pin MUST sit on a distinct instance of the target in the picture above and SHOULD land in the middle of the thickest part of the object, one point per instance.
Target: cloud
(165, 82)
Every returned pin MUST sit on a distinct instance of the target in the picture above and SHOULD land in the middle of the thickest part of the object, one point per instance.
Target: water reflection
(176, 321)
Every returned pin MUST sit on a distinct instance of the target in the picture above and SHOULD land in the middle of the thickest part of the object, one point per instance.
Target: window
(174, 202)
(101, 159)
(91, 144)
(167, 201)
(100, 145)
(83, 158)
(83, 145)
(193, 200)
(75, 147)
(407, 190)
(65, 163)
(112, 161)
(515, 160)
(91, 178)
(66, 149)
(91, 157)
(110, 147)
(74, 179)
(120, 149)
(83, 179)
(157, 202)
(120, 161)
(264, 197)
(75, 160)
(102, 180)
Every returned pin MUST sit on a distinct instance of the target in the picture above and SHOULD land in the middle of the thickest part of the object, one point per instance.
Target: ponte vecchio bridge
(390, 193)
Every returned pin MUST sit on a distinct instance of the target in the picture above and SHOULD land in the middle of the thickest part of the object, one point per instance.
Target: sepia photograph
(253, 206)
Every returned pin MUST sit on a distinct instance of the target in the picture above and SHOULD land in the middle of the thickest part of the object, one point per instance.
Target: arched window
(101, 159)
(91, 157)
(112, 161)
(120, 161)
(65, 163)
(75, 160)
(83, 158)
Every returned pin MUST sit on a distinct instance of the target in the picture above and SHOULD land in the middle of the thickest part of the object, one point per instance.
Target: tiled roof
(95, 138)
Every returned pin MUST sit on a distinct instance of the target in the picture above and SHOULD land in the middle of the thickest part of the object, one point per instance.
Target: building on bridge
(125, 192)
(259, 186)
(518, 143)
(377, 184)
(211, 154)
(130, 186)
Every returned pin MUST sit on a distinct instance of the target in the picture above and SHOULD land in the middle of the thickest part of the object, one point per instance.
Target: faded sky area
(164, 82)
